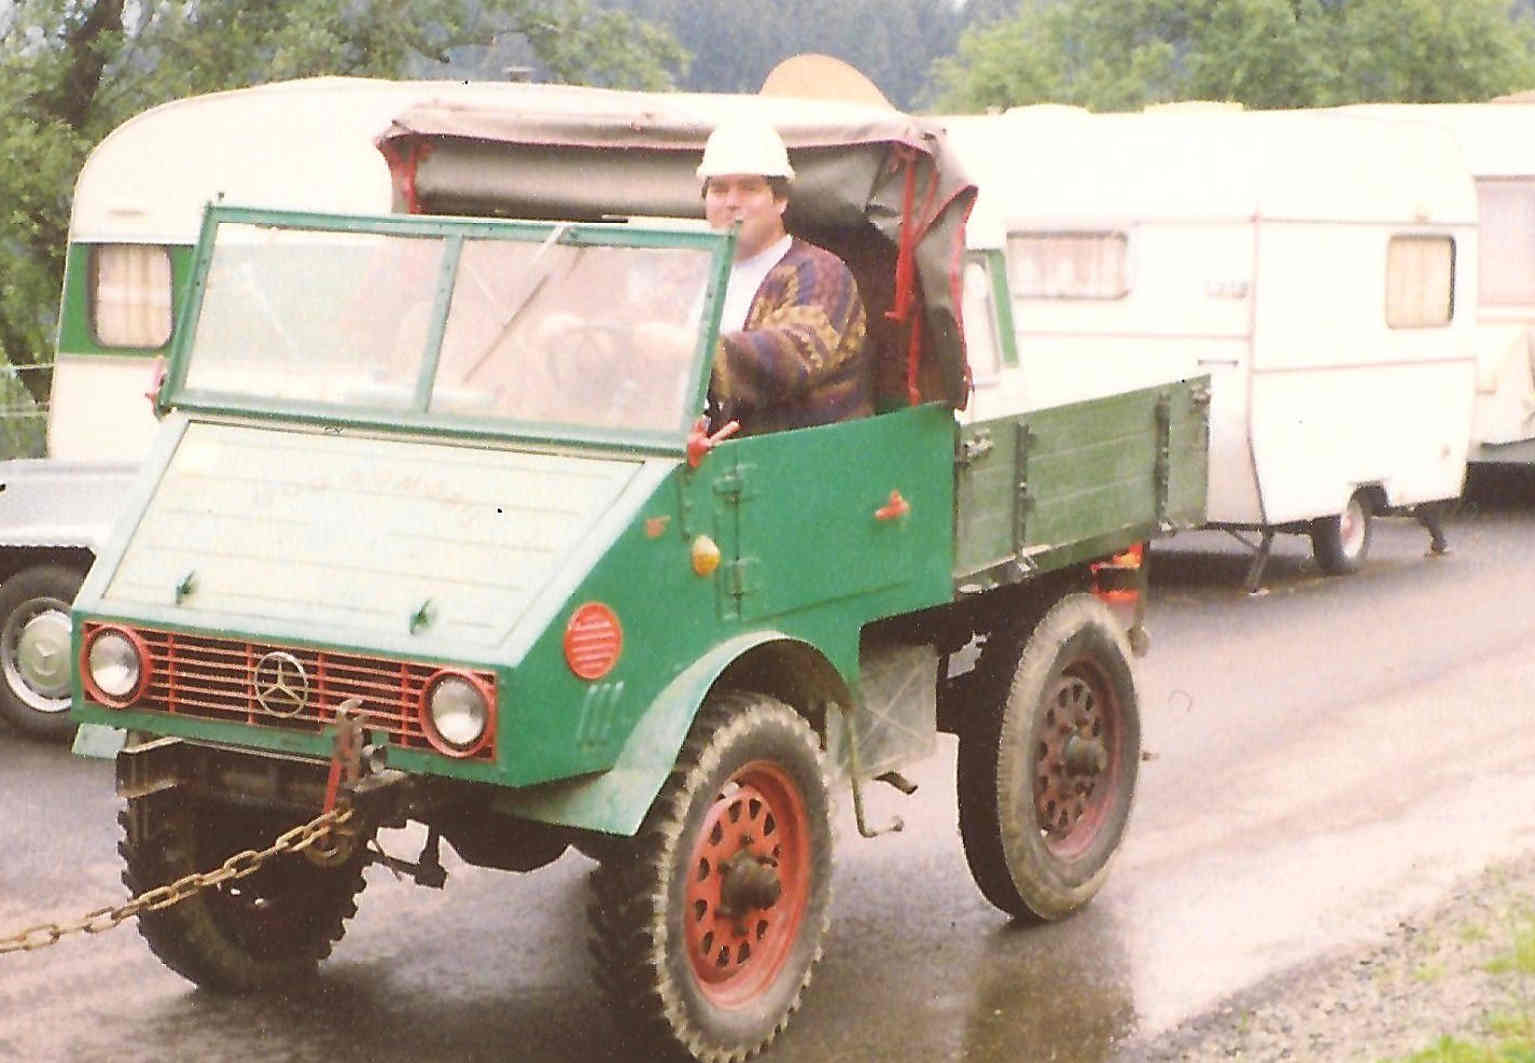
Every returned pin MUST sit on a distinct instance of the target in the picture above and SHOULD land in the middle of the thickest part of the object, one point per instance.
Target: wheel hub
(40, 659)
(1071, 759)
(1084, 756)
(748, 885)
(748, 882)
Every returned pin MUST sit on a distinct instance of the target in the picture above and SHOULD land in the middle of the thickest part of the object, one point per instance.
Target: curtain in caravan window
(1506, 242)
(980, 328)
(130, 296)
(1420, 281)
(1068, 265)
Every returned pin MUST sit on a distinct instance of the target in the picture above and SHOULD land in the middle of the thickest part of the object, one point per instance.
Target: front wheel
(34, 650)
(706, 936)
(264, 931)
(1340, 543)
(1048, 761)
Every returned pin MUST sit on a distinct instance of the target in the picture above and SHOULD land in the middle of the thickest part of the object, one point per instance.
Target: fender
(617, 800)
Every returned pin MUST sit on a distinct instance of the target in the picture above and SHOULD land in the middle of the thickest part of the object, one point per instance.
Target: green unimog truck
(433, 532)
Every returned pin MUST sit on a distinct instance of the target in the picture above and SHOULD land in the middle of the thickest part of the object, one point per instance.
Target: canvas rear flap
(341, 533)
(567, 152)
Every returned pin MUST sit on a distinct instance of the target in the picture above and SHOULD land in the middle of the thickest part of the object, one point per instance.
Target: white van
(137, 212)
(1320, 266)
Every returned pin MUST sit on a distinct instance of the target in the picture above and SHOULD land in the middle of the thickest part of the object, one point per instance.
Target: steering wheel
(581, 351)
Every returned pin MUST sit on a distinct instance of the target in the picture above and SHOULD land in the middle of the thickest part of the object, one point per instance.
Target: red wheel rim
(758, 818)
(1081, 716)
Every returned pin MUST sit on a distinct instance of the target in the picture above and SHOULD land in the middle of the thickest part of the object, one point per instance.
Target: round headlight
(458, 713)
(116, 665)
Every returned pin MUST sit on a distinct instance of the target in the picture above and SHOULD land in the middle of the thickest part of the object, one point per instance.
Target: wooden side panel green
(987, 496)
(1056, 486)
(1188, 477)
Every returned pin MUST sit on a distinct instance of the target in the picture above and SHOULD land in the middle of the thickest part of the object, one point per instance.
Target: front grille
(212, 679)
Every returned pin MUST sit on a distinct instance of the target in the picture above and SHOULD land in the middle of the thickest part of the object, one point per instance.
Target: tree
(1432, 51)
(1262, 53)
(1103, 56)
(891, 42)
(72, 70)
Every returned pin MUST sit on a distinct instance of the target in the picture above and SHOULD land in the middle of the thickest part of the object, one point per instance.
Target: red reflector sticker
(593, 641)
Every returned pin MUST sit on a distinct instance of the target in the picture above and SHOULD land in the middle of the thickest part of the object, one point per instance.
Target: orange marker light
(706, 555)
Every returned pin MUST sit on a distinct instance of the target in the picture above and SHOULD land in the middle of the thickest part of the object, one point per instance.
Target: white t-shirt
(746, 277)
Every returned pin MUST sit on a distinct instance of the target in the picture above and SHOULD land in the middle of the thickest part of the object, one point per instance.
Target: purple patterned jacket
(803, 358)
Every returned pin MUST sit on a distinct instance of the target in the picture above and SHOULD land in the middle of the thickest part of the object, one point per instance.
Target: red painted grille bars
(216, 679)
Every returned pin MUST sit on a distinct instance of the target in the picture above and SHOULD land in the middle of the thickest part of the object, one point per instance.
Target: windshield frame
(454, 231)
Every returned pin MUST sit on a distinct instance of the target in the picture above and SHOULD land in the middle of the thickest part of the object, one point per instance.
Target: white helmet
(743, 145)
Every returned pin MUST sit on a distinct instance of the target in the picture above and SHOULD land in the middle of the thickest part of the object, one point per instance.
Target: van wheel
(35, 667)
(705, 938)
(1340, 543)
(1048, 762)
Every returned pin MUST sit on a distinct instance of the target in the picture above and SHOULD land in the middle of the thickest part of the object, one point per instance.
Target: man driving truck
(793, 348)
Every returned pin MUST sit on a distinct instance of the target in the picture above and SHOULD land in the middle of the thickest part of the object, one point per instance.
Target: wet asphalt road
(1324, 757)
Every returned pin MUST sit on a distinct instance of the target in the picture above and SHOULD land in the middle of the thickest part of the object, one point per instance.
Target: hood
(377, 537)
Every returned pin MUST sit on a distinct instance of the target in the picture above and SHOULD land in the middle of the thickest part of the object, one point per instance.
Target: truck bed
(1043, 489)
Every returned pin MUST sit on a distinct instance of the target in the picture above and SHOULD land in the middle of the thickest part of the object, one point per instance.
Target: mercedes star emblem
(280, 684)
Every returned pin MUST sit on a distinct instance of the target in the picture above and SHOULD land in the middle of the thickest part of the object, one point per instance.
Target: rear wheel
(1340, 543)
(706, 935)
(1048, 762)
(34, 650)
(265, 931)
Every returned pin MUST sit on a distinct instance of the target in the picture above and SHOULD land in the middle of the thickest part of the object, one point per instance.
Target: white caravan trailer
(1320, 266)
(1499, 149)
(138, 206)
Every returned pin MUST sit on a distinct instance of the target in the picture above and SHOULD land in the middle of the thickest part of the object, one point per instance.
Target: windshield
(499, 324)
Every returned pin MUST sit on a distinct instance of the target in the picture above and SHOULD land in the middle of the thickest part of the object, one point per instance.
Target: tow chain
(237, 866)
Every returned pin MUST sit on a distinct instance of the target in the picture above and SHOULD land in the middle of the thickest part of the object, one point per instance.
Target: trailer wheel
(265, 931)
(706, 936)
(1048, 763)
(1340, 543)
(35, 667)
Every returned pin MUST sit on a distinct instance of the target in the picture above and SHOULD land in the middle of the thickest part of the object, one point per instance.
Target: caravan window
(1420, 281)
(980, 325)
(1507, 266)
(1068, 265)
(130, 295)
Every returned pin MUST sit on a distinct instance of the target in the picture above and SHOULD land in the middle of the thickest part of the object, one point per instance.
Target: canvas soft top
(879, 187)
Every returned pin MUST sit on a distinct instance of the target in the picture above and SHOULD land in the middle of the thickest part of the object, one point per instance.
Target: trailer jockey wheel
(1048, 757)
(706, 937)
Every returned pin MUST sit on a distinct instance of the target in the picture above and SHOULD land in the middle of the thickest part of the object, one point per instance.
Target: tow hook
(336, 846)
(358, 775)
(346, 750)
(359, 780)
